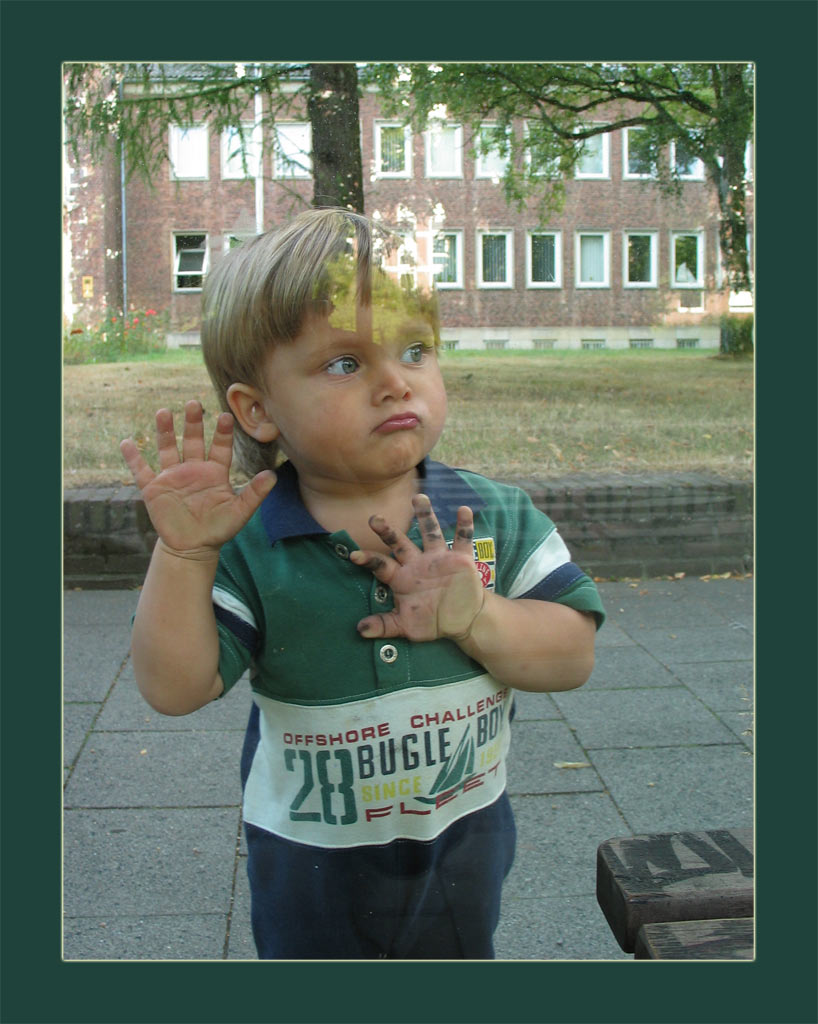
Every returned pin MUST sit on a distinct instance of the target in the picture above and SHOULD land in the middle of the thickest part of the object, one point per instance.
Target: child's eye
(343, 365)
(413, 354)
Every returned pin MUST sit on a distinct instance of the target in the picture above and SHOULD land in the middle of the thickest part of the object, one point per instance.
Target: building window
(687, 259)
(544, 259)
(641, 342)
(492, 152)
(190, 262)
(241, 152)
(540, 158)
(494, 344)
(592, 343)
(685, 165)
(592, 259)
(687, 343)
(189, 151)
(393, 150)
(543, 344)
(234, 241)
(639, 259)
(637, 154)
(293, 146)
(447, 257)
(444, 150)
(594, 158)
(494, 259)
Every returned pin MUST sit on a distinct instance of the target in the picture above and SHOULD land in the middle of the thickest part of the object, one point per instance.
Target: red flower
(135, 321)
(150, 312)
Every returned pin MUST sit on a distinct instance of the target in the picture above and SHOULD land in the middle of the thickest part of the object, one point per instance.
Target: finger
(193, 446)
(383, 569)
(464, 531)
(221, 448)
(375, 627)
(427, 521)
(399, 544)
(166, 439)
(256, 491)
(140, 470)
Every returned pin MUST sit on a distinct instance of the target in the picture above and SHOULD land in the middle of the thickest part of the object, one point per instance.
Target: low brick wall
(614, 526)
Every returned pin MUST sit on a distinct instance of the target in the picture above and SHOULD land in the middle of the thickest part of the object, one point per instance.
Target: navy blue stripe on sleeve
(241, 630)
(555, 583)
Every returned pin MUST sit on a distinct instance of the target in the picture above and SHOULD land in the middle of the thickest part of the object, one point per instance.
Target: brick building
(622, 265)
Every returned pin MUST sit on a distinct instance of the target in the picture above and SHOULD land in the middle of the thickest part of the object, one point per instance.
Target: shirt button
(389, 653)
(342, 551)
(381, 594)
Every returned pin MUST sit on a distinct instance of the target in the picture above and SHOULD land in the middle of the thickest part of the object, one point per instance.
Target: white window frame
(627, 174)
(457, 131)
(552, 168)
(697, 172)
(177, 253)
(458, 282)
(699, 282)
(605, 173)
(407, 150)
(177, 134)
(233, 167)
(483, 164)
(286, 166)
(654, 259)
(529, 261)
(606, 259)
(509, 236)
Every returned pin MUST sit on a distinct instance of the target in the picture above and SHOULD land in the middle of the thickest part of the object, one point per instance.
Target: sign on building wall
(88, 287)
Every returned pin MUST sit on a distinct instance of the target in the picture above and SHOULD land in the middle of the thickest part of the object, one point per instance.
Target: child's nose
(390, 381)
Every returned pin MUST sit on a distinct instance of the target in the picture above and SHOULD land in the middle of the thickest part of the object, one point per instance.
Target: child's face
(358, 395)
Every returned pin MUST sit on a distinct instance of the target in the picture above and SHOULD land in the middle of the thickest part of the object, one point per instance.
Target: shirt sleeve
(237, 622)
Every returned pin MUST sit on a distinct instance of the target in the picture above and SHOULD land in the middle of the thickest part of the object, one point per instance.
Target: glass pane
(639, 258)
(639, 155)
(591, 259)
(190, 153)
(591, 161)
(393, 155)
(492, 163)
(686, 259)
(292, 155)
(191, 260)
(442, 150)
(494, 259)
(543, 262)
(445, 256)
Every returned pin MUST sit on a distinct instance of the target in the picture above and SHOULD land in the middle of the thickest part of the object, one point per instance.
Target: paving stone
(91, 660)
(77, 720)
(127, 709)
(618, 667)
(557, 838)
(146, 937)
(534, 706)
(157, 769)
(674, 645)
(240, 944)
(674, 789)
(99, 607)
(555, 928)
(166, 861)
(742, 723)
(536, 749)
(721, 685)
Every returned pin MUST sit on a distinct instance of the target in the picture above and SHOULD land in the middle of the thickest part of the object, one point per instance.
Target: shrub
(115, 337)
(736, 335)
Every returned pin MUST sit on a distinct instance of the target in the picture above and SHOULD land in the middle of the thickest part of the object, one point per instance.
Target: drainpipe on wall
(124, 221)
(260, 162)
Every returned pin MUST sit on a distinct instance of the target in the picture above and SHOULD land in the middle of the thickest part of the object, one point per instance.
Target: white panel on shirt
(550, 555)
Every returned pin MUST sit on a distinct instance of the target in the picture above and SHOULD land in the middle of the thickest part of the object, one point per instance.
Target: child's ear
(248, 406)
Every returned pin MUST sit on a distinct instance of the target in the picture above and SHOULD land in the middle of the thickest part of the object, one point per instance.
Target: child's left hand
(437, 591)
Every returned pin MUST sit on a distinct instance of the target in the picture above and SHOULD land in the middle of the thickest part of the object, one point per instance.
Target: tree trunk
(336, 140)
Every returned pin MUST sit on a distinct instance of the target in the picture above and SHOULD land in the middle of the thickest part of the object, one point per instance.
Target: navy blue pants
(407, 900)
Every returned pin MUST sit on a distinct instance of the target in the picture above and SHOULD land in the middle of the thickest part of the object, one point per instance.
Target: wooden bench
(693, 877)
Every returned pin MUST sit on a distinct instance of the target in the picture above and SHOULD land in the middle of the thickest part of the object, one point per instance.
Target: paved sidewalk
(155, 860)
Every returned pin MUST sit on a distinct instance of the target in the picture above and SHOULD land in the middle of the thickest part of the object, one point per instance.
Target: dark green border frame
(36, 38)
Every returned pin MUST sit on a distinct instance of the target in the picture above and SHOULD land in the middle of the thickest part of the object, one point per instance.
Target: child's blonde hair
(258, 295)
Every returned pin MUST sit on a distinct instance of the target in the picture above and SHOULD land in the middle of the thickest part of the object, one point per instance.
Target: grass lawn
(532, 415)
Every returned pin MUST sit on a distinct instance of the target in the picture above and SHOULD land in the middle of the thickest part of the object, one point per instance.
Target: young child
(386, 605)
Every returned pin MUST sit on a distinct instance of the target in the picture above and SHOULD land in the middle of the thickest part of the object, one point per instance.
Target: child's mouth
(403, 421)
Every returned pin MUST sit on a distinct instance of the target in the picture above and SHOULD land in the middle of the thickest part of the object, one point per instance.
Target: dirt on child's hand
(437, 591)
(190, 501)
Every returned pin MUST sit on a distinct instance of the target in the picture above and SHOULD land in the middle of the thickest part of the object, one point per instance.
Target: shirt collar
(283, 513)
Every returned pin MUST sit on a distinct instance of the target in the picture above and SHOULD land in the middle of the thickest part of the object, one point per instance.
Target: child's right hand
(190, 501)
